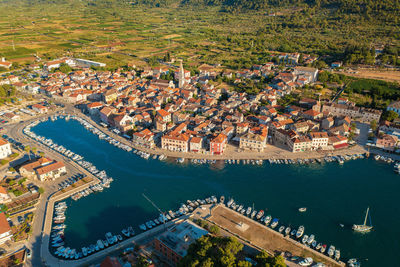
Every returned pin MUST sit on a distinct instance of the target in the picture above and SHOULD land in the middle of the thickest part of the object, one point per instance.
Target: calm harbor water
(333, 194)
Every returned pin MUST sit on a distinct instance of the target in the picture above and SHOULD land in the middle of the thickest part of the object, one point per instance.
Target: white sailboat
(363, 227)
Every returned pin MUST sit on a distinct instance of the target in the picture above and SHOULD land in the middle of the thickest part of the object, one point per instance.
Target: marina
(187, 180)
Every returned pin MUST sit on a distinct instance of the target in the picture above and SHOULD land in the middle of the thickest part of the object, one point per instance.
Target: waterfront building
(254, 140)
(5, 229)
(175, 142)
(28, 169)
(144, 138)
(319, 140)
(387, 142)
(39, 108)
(299, 144)
(196, 144)
(174, 243)
(51, 171)
(218, 144)
(5, 149)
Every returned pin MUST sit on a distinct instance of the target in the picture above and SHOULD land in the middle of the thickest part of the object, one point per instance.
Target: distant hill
(362, 7)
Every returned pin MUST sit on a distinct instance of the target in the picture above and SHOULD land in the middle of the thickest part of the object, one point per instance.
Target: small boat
(260, 214)
(126, 232)
(248, 211)
(318, 247)
(314, 244)
(300, 231)
(363, 228)
(267, 219)
(337, 254)
(310, 239)
(303, 209)
(274, 223)
(281, 229)
(323, 248)
(353, 263)
(287, 230)
(306, 262)
(331, 251)
(304, 240)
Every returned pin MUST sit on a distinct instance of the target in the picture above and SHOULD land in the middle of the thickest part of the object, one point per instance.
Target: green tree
(214, 229)
(65, 68)
(373, 125)
(41, 190)
(389, 115)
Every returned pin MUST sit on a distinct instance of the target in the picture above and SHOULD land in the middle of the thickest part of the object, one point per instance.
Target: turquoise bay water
(333, 194)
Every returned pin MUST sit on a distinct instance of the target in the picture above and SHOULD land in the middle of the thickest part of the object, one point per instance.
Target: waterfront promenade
(231, 152)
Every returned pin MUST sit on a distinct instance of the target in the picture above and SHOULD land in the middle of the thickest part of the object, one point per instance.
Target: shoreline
(272, 152)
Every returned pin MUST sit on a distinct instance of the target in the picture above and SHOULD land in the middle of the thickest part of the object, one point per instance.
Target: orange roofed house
(218, 144)
(5, 230)
(39, 108)
(175, 142)
(51, 171)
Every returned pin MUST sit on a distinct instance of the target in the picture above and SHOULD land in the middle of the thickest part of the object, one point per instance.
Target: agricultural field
(119, 33)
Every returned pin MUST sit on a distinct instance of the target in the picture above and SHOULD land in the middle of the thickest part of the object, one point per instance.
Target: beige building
(300, 144)
(196, 144)
(319, 140)
(253, 141)
(176, 142)
(355, 113)
(51, 171)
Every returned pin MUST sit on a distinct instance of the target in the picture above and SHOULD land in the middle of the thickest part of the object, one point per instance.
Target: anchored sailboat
(363, 227)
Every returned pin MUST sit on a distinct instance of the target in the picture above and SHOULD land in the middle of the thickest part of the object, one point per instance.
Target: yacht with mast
(363, 228)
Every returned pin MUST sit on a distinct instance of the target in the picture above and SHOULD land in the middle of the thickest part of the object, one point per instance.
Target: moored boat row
(296, 234)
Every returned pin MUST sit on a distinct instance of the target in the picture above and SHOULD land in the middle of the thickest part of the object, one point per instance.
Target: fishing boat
(363, 228)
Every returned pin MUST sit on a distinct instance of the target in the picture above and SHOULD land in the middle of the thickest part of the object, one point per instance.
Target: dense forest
(368, 7)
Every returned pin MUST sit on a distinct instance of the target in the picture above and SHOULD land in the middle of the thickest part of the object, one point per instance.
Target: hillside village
(193, 113)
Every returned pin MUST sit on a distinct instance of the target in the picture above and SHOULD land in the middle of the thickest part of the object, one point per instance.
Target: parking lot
(71, 180)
